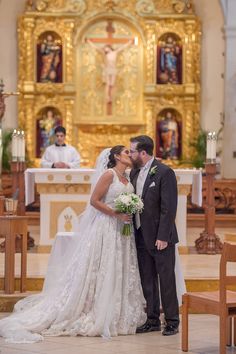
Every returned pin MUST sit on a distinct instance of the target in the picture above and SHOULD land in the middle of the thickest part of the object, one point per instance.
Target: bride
(93, 287)
(98, 292)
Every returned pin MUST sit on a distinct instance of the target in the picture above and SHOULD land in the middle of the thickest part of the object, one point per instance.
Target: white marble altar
(64, 194)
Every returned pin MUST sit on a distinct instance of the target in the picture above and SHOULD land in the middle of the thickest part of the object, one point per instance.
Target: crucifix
(110, 59)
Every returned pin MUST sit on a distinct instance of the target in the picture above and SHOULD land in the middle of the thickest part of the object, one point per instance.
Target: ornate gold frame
(150, 19)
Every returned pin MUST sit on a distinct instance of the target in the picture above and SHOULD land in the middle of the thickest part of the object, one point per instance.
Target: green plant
(199, 145)
(6, 151)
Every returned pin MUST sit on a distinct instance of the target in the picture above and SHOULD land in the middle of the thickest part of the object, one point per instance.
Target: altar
(64, 194)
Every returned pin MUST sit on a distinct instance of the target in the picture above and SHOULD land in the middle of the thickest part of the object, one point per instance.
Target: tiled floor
(195, 266)
(203, 329)
(203, 335)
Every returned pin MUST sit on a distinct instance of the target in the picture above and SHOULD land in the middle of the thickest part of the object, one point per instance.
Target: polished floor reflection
(203, 335)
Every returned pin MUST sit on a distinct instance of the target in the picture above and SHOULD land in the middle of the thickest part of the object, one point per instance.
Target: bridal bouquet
(128, 203)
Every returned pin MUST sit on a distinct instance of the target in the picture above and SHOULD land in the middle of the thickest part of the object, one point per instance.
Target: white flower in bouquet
(128, 203)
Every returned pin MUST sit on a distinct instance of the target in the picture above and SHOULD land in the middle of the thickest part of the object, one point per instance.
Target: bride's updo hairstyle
(116, 150)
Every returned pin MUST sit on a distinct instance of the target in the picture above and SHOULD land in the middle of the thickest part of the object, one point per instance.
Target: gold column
(29, 25)
(150, 118)
(69, 65)
(150, 53)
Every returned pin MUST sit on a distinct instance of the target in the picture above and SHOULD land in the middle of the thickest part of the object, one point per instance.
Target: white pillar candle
(14, 146)
(22, 145)
(18, 144)
(209, 145)
(213, 146)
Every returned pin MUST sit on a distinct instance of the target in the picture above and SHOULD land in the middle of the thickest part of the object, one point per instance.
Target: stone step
(35, 285)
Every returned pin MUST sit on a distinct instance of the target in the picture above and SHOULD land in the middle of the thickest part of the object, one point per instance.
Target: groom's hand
(161, 245)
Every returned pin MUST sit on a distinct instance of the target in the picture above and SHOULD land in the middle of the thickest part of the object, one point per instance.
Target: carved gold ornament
(80, 97)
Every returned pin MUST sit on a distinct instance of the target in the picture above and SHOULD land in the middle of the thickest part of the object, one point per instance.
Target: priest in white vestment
(60, 155)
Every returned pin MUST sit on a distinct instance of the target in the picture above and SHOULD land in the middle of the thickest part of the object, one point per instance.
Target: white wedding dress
(97, 293)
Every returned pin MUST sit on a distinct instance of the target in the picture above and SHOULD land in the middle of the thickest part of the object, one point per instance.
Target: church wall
(9, 10)
(212, 64)
(229, 142)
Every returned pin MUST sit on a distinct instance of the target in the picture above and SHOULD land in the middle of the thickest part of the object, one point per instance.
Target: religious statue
(49, 60)
(45, 129)
(169, 62)
(168, 142)
(109, 68)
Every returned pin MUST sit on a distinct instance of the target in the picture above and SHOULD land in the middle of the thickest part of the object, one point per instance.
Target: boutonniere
(153, 171)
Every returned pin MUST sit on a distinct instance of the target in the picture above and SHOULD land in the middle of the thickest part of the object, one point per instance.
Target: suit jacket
(160, 204)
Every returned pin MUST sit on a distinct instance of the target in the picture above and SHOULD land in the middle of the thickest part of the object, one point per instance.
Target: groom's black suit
(158, 223)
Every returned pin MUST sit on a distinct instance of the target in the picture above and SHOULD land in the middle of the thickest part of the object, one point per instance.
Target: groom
(155, 235)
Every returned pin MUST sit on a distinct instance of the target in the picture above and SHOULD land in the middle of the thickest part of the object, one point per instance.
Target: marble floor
(203, 339)
(195, 266)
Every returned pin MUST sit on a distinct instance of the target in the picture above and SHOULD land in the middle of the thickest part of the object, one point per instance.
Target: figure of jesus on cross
(110, 59)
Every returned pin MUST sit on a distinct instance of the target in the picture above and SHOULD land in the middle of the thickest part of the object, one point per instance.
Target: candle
(135, 40)
(209, 143)
(22, 152)
(18, 144)
(213, 146)
(14, 145)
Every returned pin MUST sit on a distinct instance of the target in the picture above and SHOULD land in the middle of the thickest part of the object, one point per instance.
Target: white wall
(229, 142)
(9, 9)
(212, 64)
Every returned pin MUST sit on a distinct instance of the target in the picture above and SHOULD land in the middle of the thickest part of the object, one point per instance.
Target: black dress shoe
(170, 330)
(149, 326)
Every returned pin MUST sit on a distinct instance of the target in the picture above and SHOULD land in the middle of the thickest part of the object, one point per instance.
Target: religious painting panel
(169, 60)
(110, 73)
(169, 135)
(49, 58)
(47, 120)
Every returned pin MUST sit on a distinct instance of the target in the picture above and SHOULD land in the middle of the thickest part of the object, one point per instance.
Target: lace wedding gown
(98, 293)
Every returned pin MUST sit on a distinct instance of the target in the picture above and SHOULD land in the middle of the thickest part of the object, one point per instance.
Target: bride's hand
(124, 217)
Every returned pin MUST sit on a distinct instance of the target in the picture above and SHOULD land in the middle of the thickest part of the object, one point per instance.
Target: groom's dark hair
(144, 142)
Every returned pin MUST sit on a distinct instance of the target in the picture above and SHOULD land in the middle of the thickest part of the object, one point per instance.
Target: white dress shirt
(142, 176)
(139, 186)
(67, 154)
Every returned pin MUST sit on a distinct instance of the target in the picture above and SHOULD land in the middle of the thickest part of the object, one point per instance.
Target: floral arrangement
(128, 203)
(153, 171)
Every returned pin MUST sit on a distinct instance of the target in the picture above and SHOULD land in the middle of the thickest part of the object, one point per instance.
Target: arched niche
(169, 59)
(169, 134)
(49, 58)
(48, 118)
